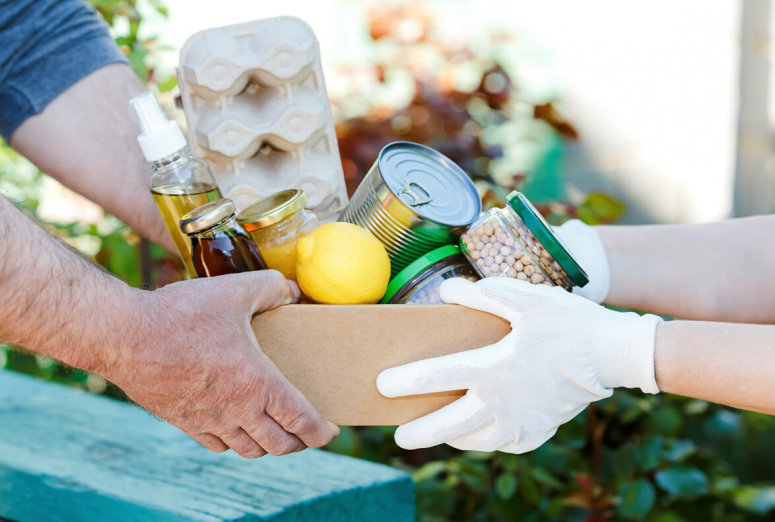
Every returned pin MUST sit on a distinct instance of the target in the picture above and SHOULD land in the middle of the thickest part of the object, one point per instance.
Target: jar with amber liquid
(180, 182)
(276, 223)
(219, 245)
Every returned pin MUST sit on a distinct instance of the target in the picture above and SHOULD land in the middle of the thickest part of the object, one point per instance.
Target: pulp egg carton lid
(258, 112)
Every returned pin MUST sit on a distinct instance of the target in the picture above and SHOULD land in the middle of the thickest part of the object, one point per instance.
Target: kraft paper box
(333, 354)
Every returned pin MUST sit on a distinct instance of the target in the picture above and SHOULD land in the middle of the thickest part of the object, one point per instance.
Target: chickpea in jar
(501, 244)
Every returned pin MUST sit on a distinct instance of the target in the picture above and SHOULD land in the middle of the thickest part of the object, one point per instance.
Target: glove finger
(525, 444)
(488, 438)
(494, 295)
(457, 371)
(463, 416)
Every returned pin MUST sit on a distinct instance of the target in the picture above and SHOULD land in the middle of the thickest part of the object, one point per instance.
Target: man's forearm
(730, 364)
(715, 272)
(87, 139)
(55, 302)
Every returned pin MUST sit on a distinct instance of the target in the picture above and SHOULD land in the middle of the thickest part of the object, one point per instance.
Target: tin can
(414, 200)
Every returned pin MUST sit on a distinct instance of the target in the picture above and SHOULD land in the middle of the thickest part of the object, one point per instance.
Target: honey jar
(276, 223)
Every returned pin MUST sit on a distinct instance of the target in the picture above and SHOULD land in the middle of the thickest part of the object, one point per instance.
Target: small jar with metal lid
(419, 282)
(219, 245)
(276, 223)
(517, 242)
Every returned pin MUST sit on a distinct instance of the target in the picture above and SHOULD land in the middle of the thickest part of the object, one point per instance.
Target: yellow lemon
(341, 263)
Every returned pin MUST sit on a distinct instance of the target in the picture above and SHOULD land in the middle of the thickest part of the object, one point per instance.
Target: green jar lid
(417, 267)
(544, 234)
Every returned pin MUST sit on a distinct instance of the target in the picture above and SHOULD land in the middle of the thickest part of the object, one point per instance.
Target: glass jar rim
(207, 216)
(272, 209)
(417, 267)
(538, 226)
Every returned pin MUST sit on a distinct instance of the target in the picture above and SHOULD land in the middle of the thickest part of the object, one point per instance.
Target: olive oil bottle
(175, 201)
(180, 182)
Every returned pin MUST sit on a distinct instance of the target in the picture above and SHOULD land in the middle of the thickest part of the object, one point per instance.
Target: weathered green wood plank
(69, 455)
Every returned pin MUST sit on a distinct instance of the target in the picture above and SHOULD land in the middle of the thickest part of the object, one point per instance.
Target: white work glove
(563, 352)
(585, 245)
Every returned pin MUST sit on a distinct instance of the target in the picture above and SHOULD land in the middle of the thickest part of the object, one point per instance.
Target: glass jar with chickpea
(516, 242)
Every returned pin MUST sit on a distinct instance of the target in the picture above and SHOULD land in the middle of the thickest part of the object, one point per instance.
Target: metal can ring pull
(417, 199)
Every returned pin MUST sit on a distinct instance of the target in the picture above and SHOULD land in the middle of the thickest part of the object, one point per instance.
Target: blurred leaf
(528, 489)
(637, 498)
(478, 455)
(544, 477)
(696, 407)
(137, 59)
(665, 421)
(509, 461)
(623, 462)
(168, 84)
(429, 471)
(649, 452)
(760, 500)
(159, 6)
(600, 209)
(552, 457)
(682, 481)
(573, 434)
(631, 414)
(723, 485)
(506, 485)
(679, 450)
(556, 507)
(665, 516)
(548, 113)
(725, 423)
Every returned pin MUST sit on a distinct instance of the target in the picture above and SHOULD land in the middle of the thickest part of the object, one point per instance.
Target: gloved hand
(585, 245)
(563, 352)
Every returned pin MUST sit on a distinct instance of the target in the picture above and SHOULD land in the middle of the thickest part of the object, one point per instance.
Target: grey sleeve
(45, 47)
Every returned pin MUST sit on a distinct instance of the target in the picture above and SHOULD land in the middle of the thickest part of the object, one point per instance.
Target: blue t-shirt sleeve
(46, 46)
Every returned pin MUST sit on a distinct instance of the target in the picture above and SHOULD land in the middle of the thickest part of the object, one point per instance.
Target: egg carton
(258, 112)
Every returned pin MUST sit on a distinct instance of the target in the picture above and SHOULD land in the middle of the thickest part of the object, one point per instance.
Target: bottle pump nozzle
(160, 136)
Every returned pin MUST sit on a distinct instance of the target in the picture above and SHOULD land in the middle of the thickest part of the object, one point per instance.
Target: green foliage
(630, 457)
(637, 498)
(682, 481)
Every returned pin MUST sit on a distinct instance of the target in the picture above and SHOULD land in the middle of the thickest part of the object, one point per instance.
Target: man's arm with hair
(87, 139)
(186, 352)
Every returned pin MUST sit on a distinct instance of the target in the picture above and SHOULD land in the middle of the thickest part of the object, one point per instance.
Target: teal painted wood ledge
(70, 455)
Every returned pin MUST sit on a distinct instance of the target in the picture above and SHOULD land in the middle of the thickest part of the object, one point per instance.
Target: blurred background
(637, 112)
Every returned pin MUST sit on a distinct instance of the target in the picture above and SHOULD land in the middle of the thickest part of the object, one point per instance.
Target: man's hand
(185, 352)
(563, 353)
(196, 364)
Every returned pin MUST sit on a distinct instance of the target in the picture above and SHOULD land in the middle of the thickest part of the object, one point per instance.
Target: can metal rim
(447, 163)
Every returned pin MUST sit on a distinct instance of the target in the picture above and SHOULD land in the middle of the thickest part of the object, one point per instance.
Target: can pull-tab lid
(419, 195)
(159, 136)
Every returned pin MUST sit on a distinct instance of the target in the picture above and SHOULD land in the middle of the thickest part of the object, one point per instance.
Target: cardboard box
(333, 354)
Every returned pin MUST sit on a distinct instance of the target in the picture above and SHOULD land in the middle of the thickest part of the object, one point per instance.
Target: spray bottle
(180, 182)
